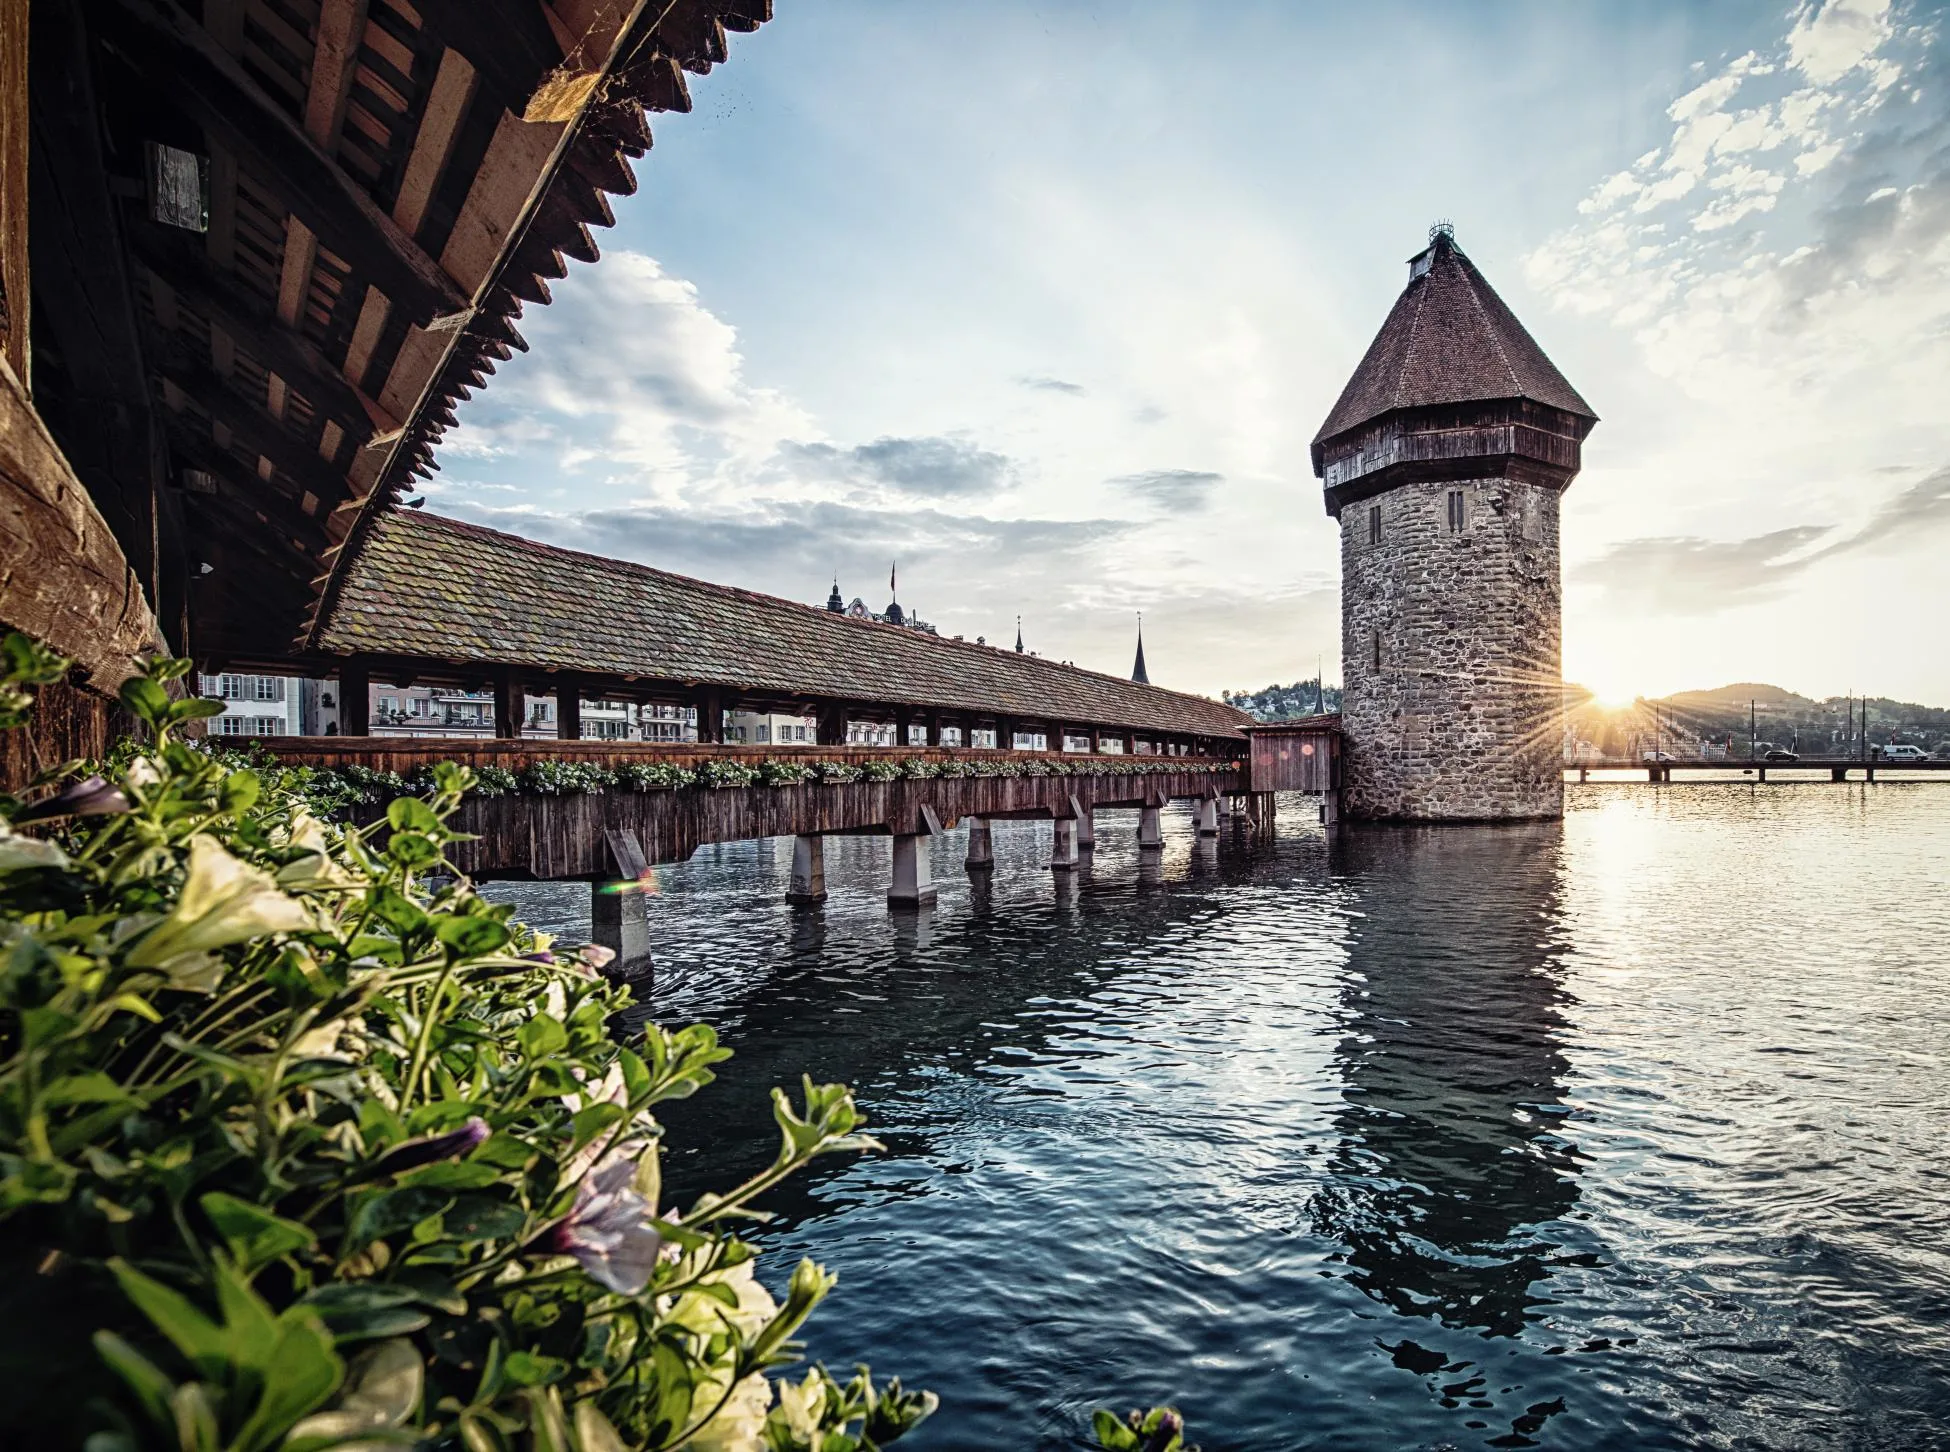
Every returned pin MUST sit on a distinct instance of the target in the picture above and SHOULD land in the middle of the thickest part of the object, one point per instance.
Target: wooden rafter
(214, 88)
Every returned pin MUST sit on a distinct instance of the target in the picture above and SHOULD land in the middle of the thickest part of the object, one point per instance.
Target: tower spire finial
(1018, 635)
(1138, 673)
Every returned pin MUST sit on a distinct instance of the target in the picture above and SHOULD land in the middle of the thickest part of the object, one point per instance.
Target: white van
(1903, 753)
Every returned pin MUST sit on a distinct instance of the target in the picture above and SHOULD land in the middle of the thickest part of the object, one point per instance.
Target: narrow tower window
(1455, 511)
(1377, 650)
(1374, 524)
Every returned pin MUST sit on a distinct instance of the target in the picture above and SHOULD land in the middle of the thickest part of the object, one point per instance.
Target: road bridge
(1837, 767)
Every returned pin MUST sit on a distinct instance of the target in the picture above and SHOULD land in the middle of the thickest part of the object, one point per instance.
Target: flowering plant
(645, 776)
(919, 768)
(305, 1145)
(881, 771)
(784, 773)
(838, 773)
(726, 774)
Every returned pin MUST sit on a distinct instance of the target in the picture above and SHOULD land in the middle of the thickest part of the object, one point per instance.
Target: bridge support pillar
(981, 845)
(808, 885)
(618, 922)
(1151, 829)
(1063, 845)
(1761, 774)
(1838, 773)
(913, 884)
(1330, 809)
(1266, 811)
(1086, 822)
(1869, 773)
(1205, 816)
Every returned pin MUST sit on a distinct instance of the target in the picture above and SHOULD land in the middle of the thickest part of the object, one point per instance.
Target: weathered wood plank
(63, 578)
(15, 306)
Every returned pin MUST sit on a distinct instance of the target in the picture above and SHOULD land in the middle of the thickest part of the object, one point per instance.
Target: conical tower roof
(1138, 672)
(1450, 339)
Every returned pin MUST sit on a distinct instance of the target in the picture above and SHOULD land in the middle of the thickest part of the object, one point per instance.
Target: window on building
(1110, 745)
(266, 688)
(389, 705)
(764, 730)
(417, 706)
(1075, 743)
(917, 736)
(1455, 511)
(1533, 518)
(250, 726)
(1374, 524)
(1377, 650)
(951, 735)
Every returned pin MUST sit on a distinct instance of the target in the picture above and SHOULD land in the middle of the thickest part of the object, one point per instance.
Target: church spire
(1138, 672)
(833, 601)
(1018, 635)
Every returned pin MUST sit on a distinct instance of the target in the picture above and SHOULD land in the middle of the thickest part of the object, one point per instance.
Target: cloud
(1830, 40)
(1055, 385)
(1171, 489)
(934, 467)
(1684, 575)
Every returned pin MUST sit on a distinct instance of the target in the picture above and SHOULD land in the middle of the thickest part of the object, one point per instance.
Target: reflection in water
(1450, 1155)
(1621, 1135)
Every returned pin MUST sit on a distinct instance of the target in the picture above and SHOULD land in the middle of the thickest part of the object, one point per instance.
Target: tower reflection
(1451, 1158)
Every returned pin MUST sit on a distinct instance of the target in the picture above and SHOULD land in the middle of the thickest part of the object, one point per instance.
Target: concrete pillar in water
(1151, 829)
(1086, 820)
(1206, 816)
(1063, 845)
(981, 846)
(913, 883)
(1330, 809)
(808, 884)
(618, 922)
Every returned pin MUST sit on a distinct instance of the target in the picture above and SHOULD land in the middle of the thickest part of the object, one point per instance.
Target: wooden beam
(508, 703)
(281, 349)
(568, 707)
(355, 699)
(508, 41)
(16, 308)
(256, 430)
(63, 578)
(156, 37)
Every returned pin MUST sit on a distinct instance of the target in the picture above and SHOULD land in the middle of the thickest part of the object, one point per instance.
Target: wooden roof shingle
(1449, 339)
(438, 589)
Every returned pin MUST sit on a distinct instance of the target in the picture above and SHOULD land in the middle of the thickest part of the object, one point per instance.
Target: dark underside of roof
(436, 589)
(1449, 339)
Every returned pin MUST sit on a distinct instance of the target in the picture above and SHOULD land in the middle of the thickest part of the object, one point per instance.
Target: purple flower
(425, 1150)
(608, 1229)
(92, 797)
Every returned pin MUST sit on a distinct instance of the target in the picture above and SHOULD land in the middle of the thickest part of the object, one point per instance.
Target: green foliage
(565, 778)
(881, 769)
(784, 773)
(726, 773)
(838, 773)
(1161, 1429)
(303, 1145)
(919, 768)
(650, 776)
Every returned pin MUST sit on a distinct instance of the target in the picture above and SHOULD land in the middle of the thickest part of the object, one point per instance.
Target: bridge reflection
(1452, 1159)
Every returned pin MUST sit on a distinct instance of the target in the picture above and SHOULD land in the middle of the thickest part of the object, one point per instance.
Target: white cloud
(1830, 40)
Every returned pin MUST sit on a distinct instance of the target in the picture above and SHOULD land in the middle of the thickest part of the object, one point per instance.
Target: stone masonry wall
(1461, 719)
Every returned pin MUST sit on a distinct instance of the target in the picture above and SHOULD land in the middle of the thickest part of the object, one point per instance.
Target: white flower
(316, 871)
(803, 1404)
(739, 1425)
(609, 1231)
(224, 901)
(18, 852)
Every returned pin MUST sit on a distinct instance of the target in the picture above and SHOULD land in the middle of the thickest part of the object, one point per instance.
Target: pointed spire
(1018, 635)
(895, 615)
(833, 601)
(1138, 672)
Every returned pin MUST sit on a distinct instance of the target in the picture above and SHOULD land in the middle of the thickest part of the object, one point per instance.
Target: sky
(1044, 302)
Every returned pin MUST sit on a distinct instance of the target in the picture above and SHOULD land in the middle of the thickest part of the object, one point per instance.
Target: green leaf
(410, 814)
(471, 937)
(396, 911)
(150, 1386)
(1112, 1434)
(482, 1217)
(529, 1368)
(542, 1035)
(254, 1236)
(145, 700)
(93, 1087)
(361, 1310)
(201, 1340)
(392, 1211)
(194, 708)
(413, 849)
(300, 1373)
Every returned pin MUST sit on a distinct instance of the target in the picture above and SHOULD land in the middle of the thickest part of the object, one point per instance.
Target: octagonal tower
(1443, 461)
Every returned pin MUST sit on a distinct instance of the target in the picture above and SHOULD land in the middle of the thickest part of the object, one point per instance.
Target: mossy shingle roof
(438, 589)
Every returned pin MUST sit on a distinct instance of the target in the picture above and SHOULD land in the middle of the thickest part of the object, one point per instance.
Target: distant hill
(1774, 715)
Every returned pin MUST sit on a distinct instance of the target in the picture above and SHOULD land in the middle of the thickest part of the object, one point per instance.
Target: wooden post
(508, 704)
(355, 699)
(568, 708)
(981, 845)
(709, 701)
(15, 292)
(808, 885)
(1206, 816)
(903, 724)
(830, 727)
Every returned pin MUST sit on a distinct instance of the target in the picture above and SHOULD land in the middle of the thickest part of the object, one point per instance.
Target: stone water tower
(1443, 462)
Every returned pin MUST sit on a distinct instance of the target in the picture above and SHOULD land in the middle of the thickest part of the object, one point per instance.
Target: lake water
(1624, 1132)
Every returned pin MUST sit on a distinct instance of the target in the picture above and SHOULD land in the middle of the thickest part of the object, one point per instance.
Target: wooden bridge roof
(248, 358)
(437, 589)
(1448, 339)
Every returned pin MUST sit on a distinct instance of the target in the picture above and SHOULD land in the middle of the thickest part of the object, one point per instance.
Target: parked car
(1781, 753)
(1902, 753)
(1658, 756)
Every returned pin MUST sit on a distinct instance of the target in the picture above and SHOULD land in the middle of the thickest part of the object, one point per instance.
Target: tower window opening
(1374, 524)
(1456, 511)
(1377, 650)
